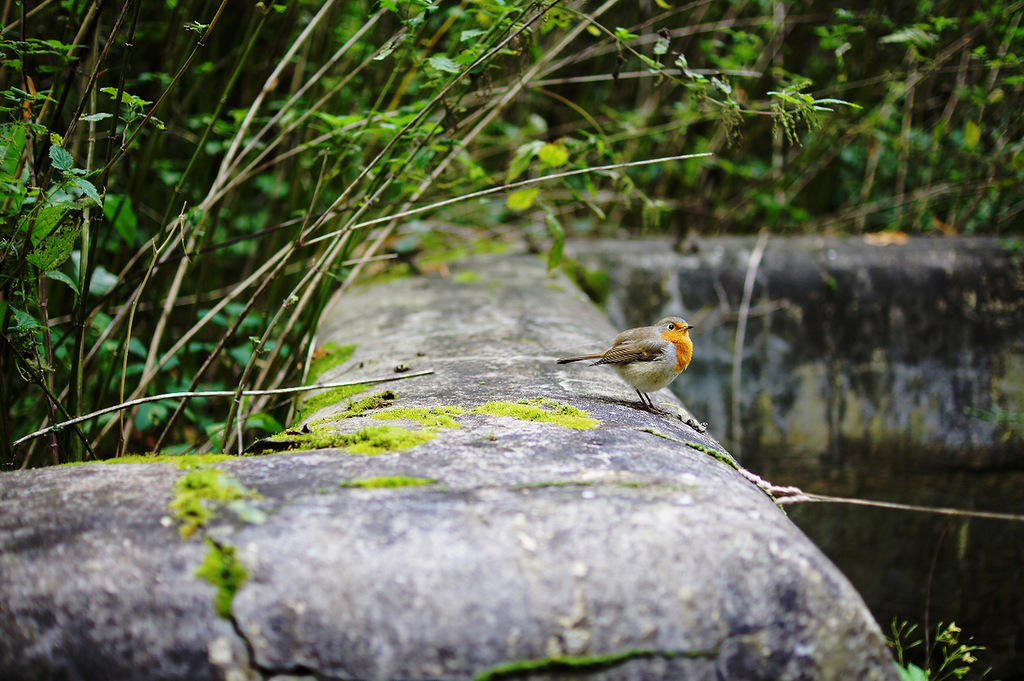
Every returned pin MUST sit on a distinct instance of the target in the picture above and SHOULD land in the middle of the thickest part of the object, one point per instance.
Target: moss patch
(540, 484)
(317, 402)
(713, 453)
(199, 493)
(543, 410)
(182, 461)
(375, 401)
(393, 272)
(654, 431)
(222, 568)
(478, 247)
(388, 482)
(326, 357)
(583, 663)
(436, 417)
(467, 277)
(370, 440)
(595, 283)
(373, 440)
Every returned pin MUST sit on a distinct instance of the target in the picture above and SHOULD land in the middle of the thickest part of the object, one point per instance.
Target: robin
(648, 358)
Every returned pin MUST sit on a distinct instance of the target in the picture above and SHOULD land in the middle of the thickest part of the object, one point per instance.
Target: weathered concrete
(630, 550)
(859, 359)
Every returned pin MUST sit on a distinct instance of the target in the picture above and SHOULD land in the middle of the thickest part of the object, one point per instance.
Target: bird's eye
(671, 327)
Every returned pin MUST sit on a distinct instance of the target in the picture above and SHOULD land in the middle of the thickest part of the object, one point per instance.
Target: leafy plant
(946, 657)
(185, 190)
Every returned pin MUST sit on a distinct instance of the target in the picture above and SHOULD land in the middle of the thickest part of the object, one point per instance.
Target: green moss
(388, 482)
(479, 247)
(183, 461)
(369, 440)
(543, 410)
(393, 272)
(713, 453)
(595, 283)
(467, 277)
(437, 417)
(582, 663)
(539, 484)
(326, 357)
(200, 492)
(317, 402)
(653, 431)
(222, 568)
(373, 440)
(375, 401)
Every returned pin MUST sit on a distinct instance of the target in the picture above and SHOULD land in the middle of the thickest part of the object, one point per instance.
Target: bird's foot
(649, 405)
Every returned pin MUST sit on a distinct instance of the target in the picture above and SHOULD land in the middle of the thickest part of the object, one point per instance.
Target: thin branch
(741, 334)
(505, 188)
(785, 495)
(210, 393)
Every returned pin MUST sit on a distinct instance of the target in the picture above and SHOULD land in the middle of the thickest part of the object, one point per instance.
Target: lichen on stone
(389, 481)
(222, 568)
(541, 409)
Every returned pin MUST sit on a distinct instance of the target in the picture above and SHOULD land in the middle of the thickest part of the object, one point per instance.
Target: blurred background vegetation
(188, 184)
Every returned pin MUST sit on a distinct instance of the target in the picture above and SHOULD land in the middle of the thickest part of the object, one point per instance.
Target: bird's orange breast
(680, 338)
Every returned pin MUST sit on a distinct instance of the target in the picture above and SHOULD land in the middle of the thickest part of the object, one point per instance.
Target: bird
(648, 357)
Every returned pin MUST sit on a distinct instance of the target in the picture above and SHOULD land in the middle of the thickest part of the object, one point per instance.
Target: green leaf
(470, 34)
(558, 241)
(829, 100)
(783, 96)
(521, 161)
(623, 34)
(910, 36)
(912, 673)
(522, 199)
(102, 281)
(390, 45)
(127, 99)
(661, 46)
(24, 322)
(265, 422)
(443, 63)
(118, 210)
(553, 155)
(57, 275)
(972, 135)
(89, 189)
(52, 242)
(95, 117)
(62, 159)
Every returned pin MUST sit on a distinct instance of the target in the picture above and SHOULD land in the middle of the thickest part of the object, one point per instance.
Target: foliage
(187, 188)
(946, 657)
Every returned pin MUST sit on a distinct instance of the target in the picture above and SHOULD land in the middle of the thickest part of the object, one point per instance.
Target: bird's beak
(689, 326)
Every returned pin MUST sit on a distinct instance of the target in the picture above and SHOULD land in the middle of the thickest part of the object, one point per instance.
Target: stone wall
(857, 356)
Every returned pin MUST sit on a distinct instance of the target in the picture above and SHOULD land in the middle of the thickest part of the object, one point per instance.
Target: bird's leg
(649, 404)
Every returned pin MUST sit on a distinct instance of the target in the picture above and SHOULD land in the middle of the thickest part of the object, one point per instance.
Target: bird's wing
(634, 351)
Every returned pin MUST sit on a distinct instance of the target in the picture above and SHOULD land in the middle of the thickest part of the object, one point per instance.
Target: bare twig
(210, 393)
(787, 495)
(741, 333)
(505, 188)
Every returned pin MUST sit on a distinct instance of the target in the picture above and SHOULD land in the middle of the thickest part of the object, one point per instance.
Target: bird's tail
(566, 360)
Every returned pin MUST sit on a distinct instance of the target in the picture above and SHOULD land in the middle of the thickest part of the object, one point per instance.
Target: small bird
(648, 357)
